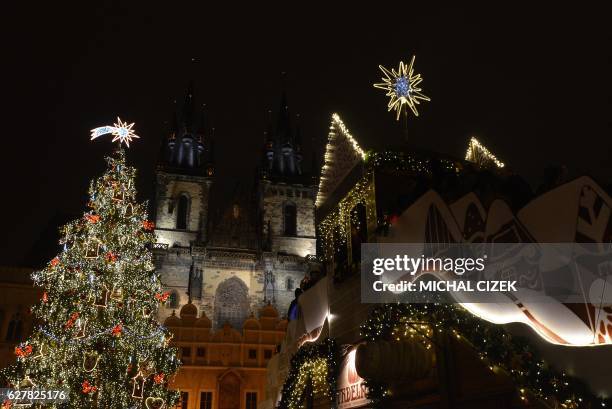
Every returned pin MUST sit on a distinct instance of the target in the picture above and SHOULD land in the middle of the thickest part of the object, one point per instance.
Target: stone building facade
(18, 295)
(223, 368)
(232, 260)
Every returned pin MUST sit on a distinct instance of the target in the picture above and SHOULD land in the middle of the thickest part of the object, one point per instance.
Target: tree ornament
(55, 262)
(146, 312)
(148, 225)
(117, 330)
(92, 249)
(147, 368)
(117, 293)
(26, 382)
(118, 195)
(23, 352)
(162, 297)
(159, 378)
(129, 210)
(154, 403)
(102, 299)
(45, 297)
(40, 351)
(121, 131)
(138, 381)
(88, 388)
(111, 257)
(80, 326)
(92, 218)
(90, 361)
(72, 320)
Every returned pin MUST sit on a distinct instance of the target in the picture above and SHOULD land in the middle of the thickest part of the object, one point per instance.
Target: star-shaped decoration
(121, 131)
(402, 87)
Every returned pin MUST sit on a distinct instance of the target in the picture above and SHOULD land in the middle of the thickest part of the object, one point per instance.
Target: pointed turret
(185, 144)
(282, 152)
(187, 113)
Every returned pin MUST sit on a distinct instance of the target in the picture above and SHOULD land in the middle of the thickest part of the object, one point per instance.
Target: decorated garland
(317, 363)
(363, 191)
(497, 348)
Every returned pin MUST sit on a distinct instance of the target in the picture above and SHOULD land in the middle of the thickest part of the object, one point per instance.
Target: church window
(290, 284)
(173, 301)
(252, 354)
(201, 352)
(15, 328)
(186, 352)
(182, 213)
(231, 303)
(290, 216)
(205, 400)
(251, 400)
(267, 353)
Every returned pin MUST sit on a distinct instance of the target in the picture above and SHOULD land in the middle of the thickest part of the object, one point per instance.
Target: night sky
(532, 84)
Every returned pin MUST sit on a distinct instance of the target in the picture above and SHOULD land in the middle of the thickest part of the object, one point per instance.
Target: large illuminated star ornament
(402, 87)
(121, 131)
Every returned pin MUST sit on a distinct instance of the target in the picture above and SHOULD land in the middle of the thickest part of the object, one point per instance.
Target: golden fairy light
(402, 88)
(478, 153)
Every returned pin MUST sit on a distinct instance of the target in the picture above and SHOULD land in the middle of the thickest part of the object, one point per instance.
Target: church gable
(342, 154)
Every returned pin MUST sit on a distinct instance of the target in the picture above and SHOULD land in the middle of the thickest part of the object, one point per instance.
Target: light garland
(337, 130)
(316, 363)
(363, 191)
(478, 153)
(496, 347)
(402, 88)
(339, 218)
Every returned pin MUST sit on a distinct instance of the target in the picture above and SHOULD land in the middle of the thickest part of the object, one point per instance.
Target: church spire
(185, 143)
(283, 128)
(187, 116)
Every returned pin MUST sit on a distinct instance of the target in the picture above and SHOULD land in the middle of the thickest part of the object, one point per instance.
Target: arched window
(231, 303)
(182, 213)
(290, 216)
(290, 285)
(15, 328)
(173, 300)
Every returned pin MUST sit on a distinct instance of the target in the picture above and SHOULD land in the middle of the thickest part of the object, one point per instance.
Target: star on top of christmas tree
(121, 131)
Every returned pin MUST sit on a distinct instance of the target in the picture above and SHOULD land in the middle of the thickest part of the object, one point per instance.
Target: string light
(478, 153)
(315, 364)
(335, 156)
(402, 88)
(339, 220)
(496, 347)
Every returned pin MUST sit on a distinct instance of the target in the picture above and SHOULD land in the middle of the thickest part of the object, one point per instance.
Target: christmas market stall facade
(342, 353)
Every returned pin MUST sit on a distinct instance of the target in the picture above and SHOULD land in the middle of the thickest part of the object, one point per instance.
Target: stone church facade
(255, 250)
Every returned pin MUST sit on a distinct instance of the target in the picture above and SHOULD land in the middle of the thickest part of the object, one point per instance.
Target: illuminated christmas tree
(97, 335)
